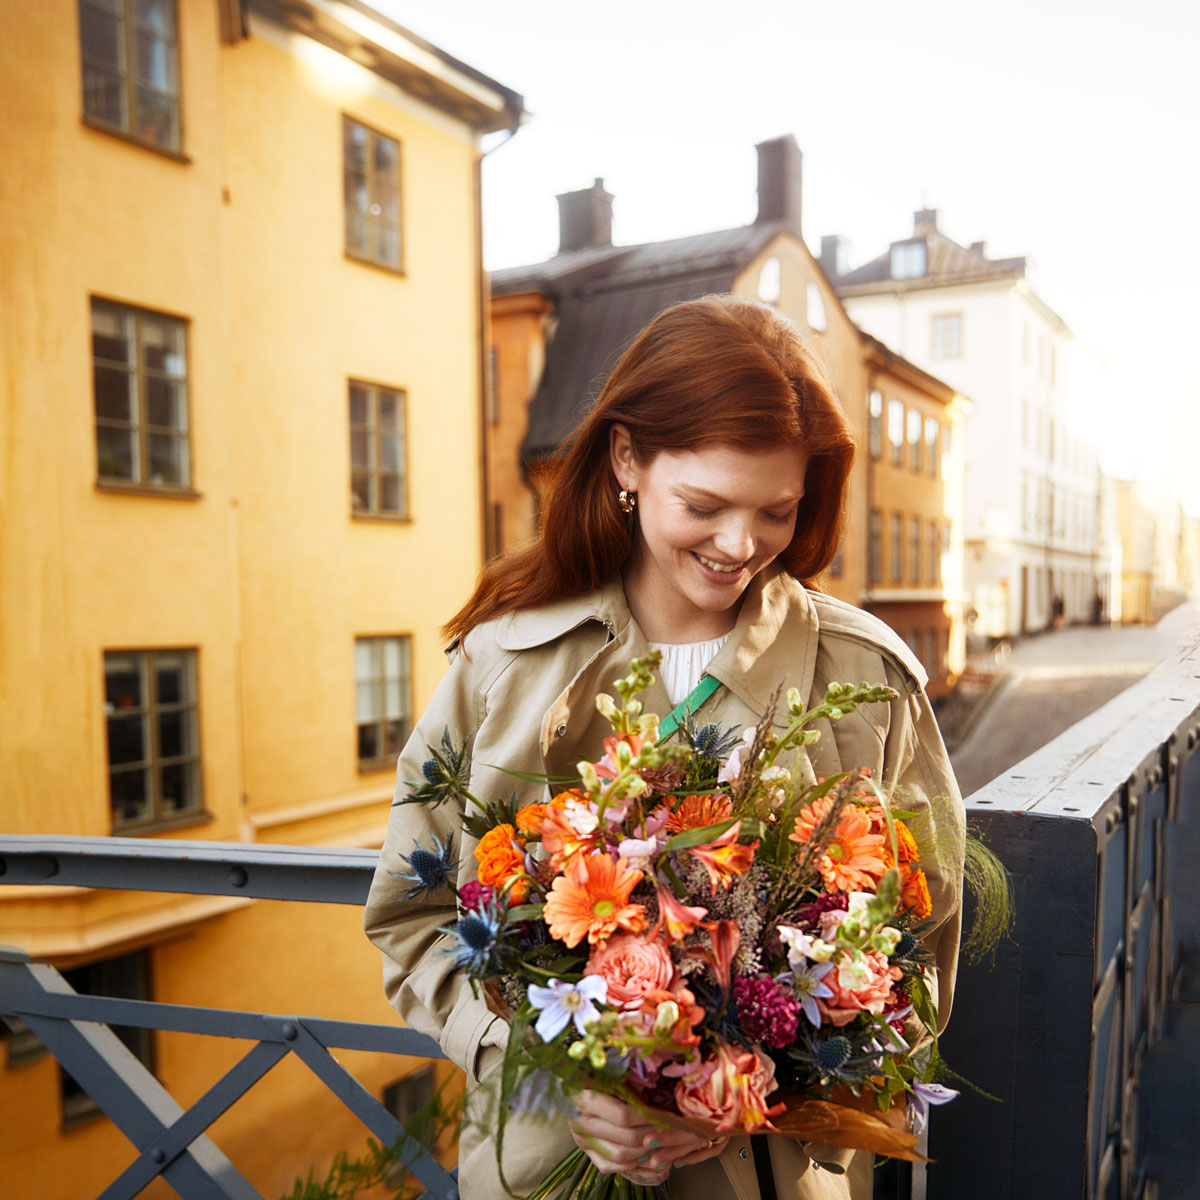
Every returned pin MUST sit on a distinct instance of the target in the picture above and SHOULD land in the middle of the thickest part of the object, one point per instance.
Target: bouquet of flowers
(700, 929)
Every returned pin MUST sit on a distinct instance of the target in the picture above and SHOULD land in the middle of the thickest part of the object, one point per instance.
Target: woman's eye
(781, 518)
(693, 511)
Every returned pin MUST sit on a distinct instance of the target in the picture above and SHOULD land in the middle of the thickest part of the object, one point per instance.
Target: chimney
(925, 220)
(779, 179)
(835, 256)
(585, 219)
(979, 248)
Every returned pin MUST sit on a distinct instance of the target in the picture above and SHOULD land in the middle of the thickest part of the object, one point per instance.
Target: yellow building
(241, 408)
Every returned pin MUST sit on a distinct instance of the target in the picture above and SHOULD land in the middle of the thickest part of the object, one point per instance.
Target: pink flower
(474, 895)
(766, 1011)
(724, 938)
(678, 918)
(730, 1087)
(858, 985)
(631, 966)
(724, 859)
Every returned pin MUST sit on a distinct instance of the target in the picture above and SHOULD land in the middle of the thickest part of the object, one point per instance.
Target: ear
(621, 455)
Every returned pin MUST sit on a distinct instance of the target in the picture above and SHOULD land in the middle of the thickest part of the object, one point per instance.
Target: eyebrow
(707, 495)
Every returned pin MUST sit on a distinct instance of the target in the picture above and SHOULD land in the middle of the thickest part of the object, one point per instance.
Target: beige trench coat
(524, 691)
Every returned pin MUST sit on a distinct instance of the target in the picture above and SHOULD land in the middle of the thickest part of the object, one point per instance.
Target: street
(1046, 684)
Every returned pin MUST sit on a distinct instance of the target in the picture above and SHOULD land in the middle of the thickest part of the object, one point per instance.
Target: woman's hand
(620, 1141)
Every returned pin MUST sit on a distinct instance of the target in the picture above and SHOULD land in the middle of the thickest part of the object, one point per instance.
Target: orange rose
(529, 818)
(914, 893)
(500, 860)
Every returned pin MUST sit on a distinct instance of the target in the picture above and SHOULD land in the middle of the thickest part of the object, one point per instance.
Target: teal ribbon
(689, 704)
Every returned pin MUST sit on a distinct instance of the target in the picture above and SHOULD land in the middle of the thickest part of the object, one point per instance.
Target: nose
(734, 540)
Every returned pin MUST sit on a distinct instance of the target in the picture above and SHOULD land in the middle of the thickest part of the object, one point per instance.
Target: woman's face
(707, 522)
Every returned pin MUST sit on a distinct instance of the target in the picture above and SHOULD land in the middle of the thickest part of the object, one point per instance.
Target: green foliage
(986, 879)
(434, 1125)
(445, 775)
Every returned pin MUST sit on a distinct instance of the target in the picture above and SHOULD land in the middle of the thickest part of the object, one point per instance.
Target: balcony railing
(1098, 830)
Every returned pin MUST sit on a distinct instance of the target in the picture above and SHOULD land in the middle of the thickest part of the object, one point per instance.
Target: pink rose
(730, 1088)
(865, 986)
(631, 966)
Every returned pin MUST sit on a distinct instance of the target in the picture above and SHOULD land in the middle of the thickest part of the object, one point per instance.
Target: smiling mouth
(721, 568)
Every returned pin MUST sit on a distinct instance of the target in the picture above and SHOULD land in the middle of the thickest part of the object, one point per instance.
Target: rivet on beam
(238, 876)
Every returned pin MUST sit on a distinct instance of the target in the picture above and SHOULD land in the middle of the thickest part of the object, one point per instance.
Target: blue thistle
(481, 940)
(445, 775)
(833, 1054)
(431, 869)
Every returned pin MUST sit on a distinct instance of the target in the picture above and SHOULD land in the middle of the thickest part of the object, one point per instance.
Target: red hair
(720, 370)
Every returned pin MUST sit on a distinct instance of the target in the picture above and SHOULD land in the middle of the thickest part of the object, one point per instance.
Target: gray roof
(945, 262)
(603, 296)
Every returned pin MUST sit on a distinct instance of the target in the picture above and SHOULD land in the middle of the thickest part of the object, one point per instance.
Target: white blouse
(684, 662)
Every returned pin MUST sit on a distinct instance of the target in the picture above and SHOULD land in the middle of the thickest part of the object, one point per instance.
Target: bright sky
(1061, 130)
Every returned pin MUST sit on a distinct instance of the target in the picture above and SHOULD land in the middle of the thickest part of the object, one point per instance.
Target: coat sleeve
(419, 978)
(918, 774)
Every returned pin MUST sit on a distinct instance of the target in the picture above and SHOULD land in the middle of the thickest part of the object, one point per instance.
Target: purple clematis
(809, 988)
(562, 1002)
(925, 1094)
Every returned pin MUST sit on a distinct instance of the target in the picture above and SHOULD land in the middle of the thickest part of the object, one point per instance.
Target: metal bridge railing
(172, 1141)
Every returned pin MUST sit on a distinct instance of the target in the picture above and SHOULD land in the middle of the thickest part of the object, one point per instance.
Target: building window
(914, 439)
(914, 549)
(130, 57)
(875, 423)
(908, 260)
(875, 547)
(378, 470)
(383, 677)
(139, 378)
(896, 431)
(153, 736)
(934, 566)
(946, 335)
(836, 567)
(123, 978)
(372, 185)
(23, 1045)
(897, 556)
(410, 1096)
(933, 432)
(930, 658)
(816, 308)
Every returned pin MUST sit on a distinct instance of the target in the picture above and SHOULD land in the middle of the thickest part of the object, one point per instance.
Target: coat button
(743, 1153)
(561, 731)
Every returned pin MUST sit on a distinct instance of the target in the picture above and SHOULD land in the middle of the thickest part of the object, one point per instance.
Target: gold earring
(627, 502)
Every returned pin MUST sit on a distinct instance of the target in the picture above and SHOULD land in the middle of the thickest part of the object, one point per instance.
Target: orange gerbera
(592, 900)
(809, 817)
(500, 860)
(914, 894)
(724, 859)
(697, 811)
(854, 856)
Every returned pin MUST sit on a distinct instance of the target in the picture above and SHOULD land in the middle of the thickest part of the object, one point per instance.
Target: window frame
(912, 256)
(914, 550)
(933, 568)
(141, 427)
(896, 558)
(939, 350)
(896, 432)
(374, 471)
(369, 259)
(385, 760)
(875, 546)
(875, 422)
(914, 434)
(130, 81)
(154, 761)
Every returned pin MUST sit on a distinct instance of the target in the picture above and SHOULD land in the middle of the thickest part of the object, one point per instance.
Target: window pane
(114, 394)
(389, 454)
(156, 15)
(116, 453)
(360, 490)
(173, 678)
(167, 459)
(395, 657)
(368, 742)
(387, 245)
(360, 449)
(162, 345)
(354, 144)
(178, 791)
(356, 233)
(385, 161)
(393, 699)
(396, 734)
(126, 740)
(166, 404)
(103, 96)
(156, 62)
(367, 707)
(359, 407)
(366, 659)
(173, 737)
(100, 37)
(122, 681)
(391, 495)
(112, 334)
(130, 796)
(156, 118)
(387, 410)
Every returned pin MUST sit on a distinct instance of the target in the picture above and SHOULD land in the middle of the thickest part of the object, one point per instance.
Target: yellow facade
(259, 567)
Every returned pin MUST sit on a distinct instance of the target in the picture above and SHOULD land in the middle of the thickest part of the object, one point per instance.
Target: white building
(1034, 546)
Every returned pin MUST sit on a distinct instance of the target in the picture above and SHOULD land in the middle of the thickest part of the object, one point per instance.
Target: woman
(701, 498)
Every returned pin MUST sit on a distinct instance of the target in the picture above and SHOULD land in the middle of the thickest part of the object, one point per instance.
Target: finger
(704, 1152)
(617, 1135)
(611, 1157)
